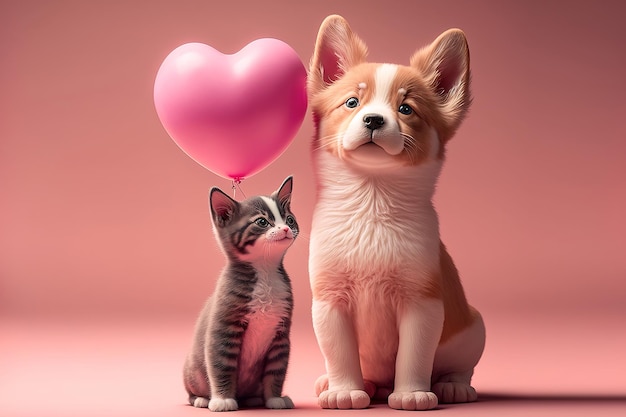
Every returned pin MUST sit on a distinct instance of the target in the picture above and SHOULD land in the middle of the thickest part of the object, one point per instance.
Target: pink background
(106, 250)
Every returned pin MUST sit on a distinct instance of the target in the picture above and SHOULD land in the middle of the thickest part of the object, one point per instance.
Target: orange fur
(458, 313)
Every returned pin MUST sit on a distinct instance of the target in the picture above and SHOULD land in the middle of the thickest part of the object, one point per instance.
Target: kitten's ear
(283, 195)
(445, 64)
(337, 49)
(223, 208)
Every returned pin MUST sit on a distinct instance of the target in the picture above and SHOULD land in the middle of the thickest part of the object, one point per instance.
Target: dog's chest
(374, 229)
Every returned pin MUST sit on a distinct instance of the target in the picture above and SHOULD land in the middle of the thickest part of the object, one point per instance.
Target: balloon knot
(237, 185)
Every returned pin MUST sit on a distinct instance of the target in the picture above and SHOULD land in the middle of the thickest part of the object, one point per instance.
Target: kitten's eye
(352, 102)
(290, 221)
(261, 221)
(405, 109)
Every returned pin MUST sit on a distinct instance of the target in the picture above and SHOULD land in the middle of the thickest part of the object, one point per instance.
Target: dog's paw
(416, 400)
(223, 404)
(455, 392)
(321, 384)
(277, 403)
(375, 392)
(344, 399)
(200, 402)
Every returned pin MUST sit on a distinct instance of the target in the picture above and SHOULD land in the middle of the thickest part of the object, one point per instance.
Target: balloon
(233, 114)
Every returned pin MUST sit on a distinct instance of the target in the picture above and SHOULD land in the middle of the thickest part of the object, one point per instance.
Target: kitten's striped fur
(241, 345)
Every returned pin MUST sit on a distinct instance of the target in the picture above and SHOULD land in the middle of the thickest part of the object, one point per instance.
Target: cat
(241, 344)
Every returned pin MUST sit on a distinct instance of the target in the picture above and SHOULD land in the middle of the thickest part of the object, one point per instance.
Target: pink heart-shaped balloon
(233, 114)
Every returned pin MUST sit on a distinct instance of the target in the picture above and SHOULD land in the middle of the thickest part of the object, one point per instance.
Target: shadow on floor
(556, 398)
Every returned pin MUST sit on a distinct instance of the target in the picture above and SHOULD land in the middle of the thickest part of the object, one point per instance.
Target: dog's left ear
(337, 49)
(446, 66)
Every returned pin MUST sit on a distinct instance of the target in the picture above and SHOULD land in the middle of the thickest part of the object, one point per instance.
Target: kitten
(241, 345)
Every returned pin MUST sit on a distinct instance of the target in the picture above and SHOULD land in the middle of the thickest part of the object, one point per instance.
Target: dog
(389, 312)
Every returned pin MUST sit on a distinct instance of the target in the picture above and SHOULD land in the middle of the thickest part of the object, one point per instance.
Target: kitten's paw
(279, 403)
(416, 400)
(200, 402)
(223, 404)
(455, 392)
(344, 399)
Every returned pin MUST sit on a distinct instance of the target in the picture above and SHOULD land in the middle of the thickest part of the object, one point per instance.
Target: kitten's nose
(373, 121)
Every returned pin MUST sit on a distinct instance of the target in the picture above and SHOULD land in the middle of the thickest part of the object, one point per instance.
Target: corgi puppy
(389, 312)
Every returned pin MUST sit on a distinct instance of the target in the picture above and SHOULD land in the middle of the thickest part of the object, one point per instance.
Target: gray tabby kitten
(241, 344)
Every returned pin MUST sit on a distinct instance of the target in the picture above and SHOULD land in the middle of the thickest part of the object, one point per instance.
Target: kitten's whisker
(301, 235)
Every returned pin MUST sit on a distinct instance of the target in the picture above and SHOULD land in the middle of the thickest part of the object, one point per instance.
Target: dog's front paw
(455, 392)
(223, 404)
(370, 388)
(416, 400)
(321, 384)
(344, 399)
(279, 403)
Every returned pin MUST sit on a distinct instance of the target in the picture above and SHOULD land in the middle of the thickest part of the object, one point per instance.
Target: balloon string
(237, 185)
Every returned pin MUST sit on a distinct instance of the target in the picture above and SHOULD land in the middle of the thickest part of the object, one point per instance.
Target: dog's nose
(373, 121)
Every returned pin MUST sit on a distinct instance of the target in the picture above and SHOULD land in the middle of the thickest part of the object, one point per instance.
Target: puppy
(389, 311)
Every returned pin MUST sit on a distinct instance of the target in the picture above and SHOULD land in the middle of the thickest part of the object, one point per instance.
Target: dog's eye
(405, 109)
(352, 102)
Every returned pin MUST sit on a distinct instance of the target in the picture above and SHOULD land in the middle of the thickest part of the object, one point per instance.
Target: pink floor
(533, 365)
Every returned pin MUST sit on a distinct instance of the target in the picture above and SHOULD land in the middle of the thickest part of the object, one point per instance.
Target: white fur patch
(386, 222)
(277, 403)
(384, 80)
(223, 404)
(267, 307)
(274, 209)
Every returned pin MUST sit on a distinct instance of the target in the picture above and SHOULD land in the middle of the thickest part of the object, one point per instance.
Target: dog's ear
(445, 65)
(337, 49)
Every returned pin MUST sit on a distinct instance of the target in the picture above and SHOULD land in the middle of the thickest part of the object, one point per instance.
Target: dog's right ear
(337, 49)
